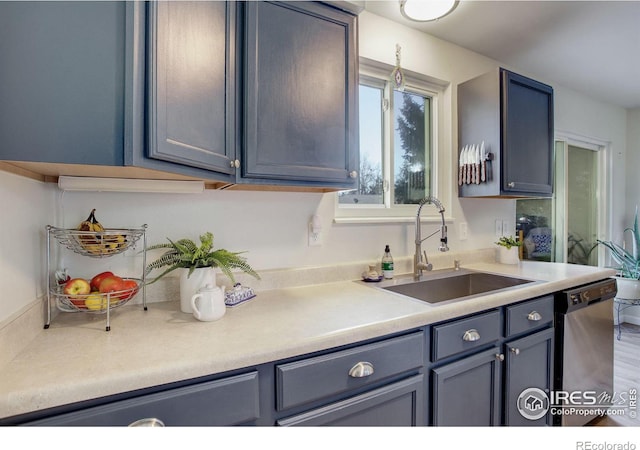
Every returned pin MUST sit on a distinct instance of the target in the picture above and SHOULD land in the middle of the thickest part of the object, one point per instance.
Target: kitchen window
(398, 146)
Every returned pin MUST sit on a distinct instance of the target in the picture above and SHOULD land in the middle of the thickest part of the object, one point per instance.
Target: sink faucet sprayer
(418, 264)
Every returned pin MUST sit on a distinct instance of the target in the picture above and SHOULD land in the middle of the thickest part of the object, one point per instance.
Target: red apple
(112, 283)
(131, 287)
(76, 286)
(95, 281)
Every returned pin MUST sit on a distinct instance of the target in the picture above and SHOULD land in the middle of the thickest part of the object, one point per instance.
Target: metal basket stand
(93, 244)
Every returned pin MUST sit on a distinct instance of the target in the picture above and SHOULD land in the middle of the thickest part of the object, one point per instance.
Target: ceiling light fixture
(426, 10)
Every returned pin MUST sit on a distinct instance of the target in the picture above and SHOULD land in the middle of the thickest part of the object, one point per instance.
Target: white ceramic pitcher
(208, 303)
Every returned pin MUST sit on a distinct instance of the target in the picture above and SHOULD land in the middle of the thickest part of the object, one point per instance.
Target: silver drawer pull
(361, 370)
(471, 335)
(499, 356)
(148, 422)
(534, 316)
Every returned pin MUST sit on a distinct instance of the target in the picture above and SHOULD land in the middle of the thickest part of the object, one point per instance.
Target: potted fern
(508, 250)
(196, 264)
(628, 278)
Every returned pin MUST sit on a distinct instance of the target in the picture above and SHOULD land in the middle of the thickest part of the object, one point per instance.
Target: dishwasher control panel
(591, 293)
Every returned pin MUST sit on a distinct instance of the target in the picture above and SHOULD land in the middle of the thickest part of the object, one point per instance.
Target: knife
(483, 163)
(469, 163)
(461, 165)
(465, 168)
(477, 167)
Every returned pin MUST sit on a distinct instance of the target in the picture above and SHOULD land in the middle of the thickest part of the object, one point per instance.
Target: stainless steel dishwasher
(584, 351)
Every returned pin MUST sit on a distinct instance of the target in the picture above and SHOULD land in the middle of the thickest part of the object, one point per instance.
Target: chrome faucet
(418, 264)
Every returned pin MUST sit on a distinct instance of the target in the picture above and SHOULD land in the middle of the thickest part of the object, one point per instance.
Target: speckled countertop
(76, 359)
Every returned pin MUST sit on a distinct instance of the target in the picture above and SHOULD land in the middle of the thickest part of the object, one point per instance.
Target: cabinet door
(227, 401)
(62, 82)
(192, 84)
(398, 404)
(527, 135)
(300, 94)
(528, 364)
(467, 392)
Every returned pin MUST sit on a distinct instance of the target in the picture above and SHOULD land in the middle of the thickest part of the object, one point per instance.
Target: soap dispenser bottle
(387, 263)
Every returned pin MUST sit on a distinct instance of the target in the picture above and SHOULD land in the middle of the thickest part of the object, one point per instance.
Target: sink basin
(452, 286)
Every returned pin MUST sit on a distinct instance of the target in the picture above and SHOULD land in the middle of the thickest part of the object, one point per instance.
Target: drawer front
(400, 404)
(228, 401)
(530, 315)
(321, 376)
(467, 334)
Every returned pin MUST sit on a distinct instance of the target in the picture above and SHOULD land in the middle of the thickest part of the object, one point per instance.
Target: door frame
(604, 189)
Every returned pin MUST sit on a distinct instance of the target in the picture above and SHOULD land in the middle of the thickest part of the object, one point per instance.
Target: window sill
(406, 219)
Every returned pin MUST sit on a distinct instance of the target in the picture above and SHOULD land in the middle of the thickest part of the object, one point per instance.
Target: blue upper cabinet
(234, 93)
(62, 80)
(300, 80)
(513, 116)
(192, 84)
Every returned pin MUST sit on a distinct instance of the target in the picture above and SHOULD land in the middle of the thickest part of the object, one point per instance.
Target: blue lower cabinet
(228, 401)
(528, 366)
(375, 384)
(485, 364)
(467, 392)
(398, 404)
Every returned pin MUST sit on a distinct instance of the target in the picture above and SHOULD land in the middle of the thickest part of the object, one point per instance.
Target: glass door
(565, 228)
(582, 205)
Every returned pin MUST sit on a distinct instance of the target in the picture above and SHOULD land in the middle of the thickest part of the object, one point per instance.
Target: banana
(88, 241)
(96, 243)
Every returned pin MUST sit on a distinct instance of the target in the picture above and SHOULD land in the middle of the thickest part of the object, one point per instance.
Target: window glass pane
(582, 206)
(370, 174)
(412, 153)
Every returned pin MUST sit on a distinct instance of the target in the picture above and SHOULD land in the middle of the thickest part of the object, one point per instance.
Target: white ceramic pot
(208, 304)
(628, 289)
(190, 285)
(508, 255)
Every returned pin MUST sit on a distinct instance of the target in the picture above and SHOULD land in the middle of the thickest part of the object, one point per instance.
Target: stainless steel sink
(452, 285)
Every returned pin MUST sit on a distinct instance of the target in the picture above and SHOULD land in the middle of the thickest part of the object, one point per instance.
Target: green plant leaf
(508, 242)
(629, 262)
(184, 253)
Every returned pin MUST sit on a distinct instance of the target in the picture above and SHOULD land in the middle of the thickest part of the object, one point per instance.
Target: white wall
(27, 207)
(272, 226)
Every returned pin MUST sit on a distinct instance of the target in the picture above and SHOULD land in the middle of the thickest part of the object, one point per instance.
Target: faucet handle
(428, 266)
(456, 264)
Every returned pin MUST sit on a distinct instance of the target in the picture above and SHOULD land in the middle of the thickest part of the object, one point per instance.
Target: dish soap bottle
(387, 263)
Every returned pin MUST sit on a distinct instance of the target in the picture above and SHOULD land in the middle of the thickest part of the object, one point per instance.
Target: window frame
(377, 74)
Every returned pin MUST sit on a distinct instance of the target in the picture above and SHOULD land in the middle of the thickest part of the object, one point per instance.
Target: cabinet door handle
(515, 351)
(361, 370)
(534, 316)
(147, 422)
(499, 356)
(234, 164)
(353, 174)
(511, 184)
(471, 335)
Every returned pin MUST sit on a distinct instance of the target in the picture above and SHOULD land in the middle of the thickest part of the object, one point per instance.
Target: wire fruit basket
(94, 302)
(97, 244)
